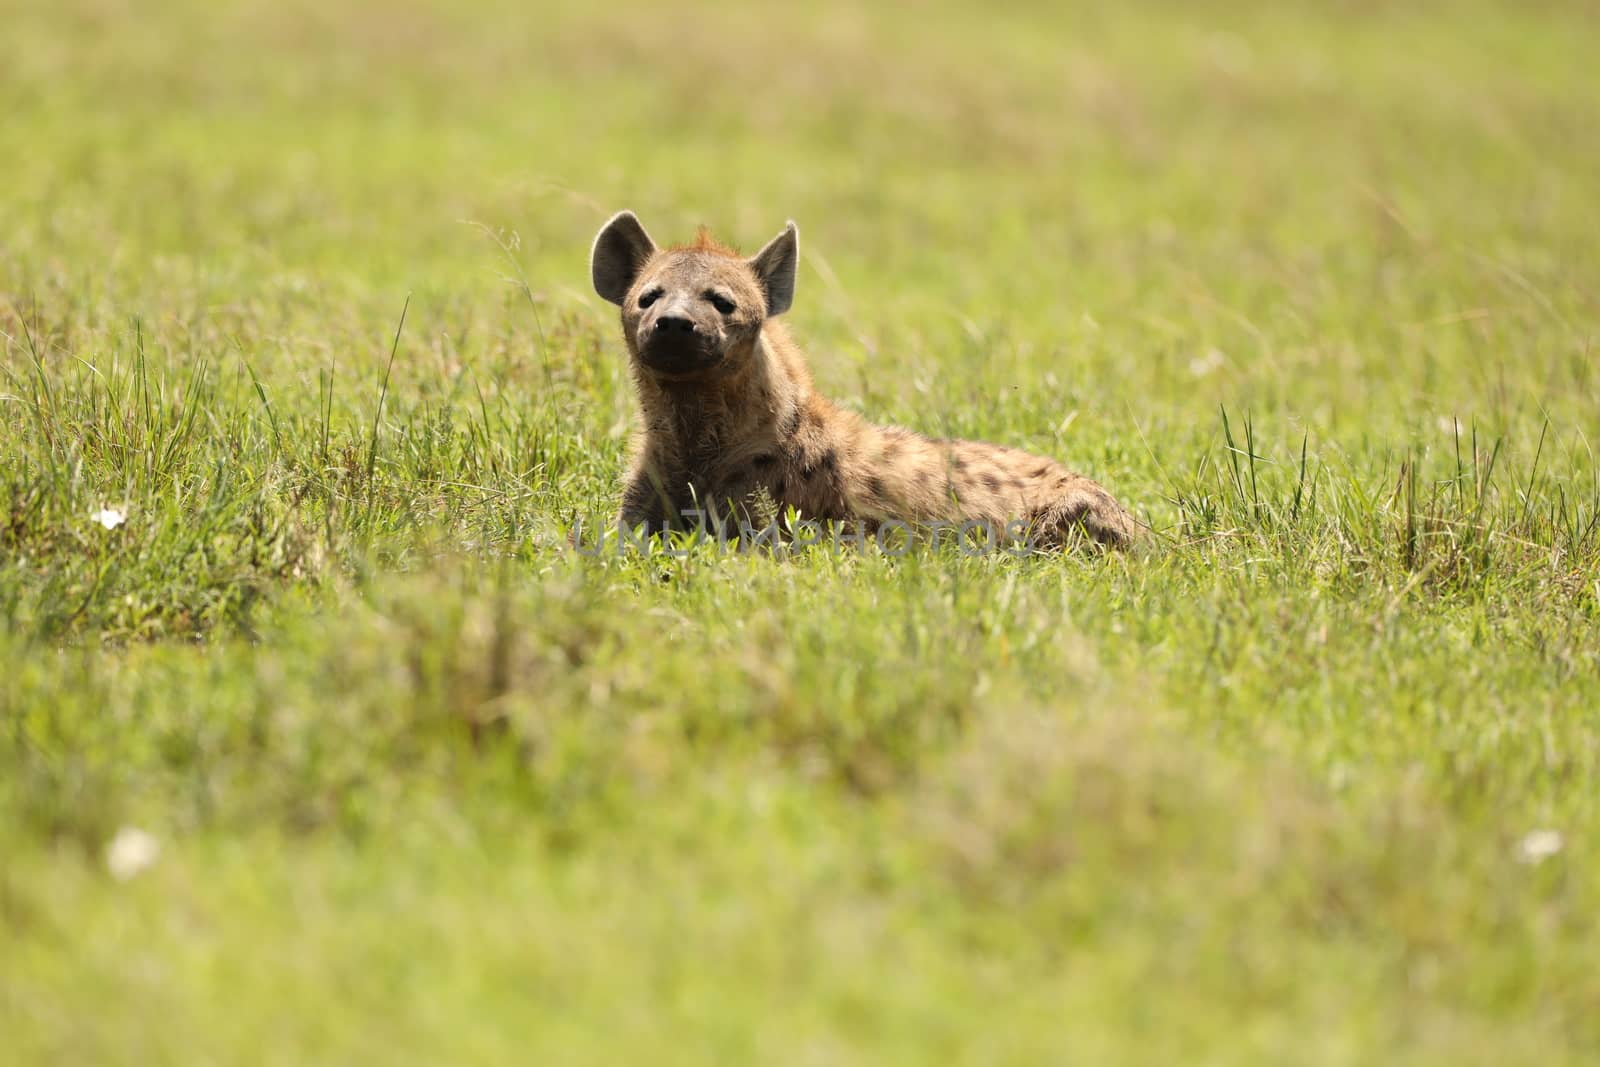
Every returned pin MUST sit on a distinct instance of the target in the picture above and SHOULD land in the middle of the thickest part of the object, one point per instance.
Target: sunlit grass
(319, 743)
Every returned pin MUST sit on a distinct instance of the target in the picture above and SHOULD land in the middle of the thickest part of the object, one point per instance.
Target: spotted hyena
(732, 424)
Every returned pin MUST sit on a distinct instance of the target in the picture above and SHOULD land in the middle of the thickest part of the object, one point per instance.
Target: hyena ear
(775, 266)
(620, 250)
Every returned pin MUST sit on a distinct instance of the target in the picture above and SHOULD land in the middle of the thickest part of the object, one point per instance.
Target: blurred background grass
(428, 787)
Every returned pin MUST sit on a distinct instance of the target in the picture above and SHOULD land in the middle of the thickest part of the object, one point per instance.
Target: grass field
(1310, 779)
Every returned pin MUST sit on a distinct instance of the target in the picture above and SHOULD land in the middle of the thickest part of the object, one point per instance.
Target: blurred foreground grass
(1313, 288)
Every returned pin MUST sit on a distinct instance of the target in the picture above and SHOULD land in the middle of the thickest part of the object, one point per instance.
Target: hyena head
(692, 310)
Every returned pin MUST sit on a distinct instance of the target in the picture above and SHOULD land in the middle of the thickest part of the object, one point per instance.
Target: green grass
(1315, 289)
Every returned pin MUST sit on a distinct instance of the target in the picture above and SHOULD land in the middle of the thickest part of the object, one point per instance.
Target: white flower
(130, 852)
(1537, 846)
(110, 518)
(1204, 365)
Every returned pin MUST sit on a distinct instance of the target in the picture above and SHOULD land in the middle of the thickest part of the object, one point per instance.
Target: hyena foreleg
(645, 502)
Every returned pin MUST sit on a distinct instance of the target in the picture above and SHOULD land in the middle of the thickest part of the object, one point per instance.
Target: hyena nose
(674, 324)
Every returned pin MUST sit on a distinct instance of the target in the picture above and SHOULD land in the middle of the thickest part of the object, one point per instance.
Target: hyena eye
(650, 297)
(721, 303)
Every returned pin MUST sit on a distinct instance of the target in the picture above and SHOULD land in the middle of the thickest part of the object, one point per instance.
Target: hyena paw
(1086, 511)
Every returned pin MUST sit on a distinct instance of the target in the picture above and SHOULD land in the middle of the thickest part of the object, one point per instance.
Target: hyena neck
(690, 421)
